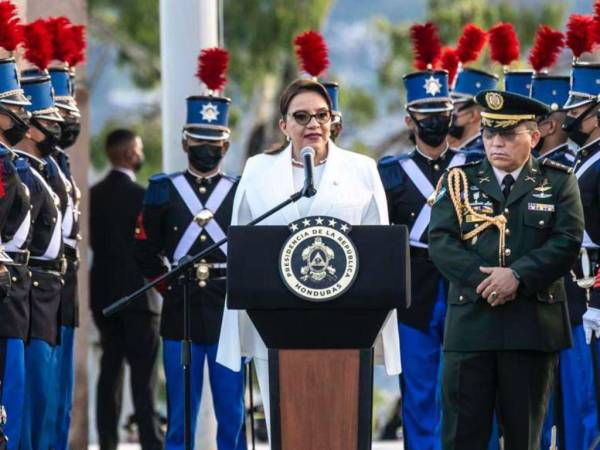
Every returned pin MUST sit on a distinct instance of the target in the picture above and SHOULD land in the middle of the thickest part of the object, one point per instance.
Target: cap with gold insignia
(505, 110)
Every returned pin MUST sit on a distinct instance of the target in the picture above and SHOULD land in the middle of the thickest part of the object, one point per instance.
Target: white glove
(591, 323)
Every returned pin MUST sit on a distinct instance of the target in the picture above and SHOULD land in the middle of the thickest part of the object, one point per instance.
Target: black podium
(320, 353)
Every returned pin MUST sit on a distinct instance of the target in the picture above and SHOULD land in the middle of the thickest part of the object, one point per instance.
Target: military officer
(46, 262)
(184, 213)
(408, 181)
(503, 231)
(15, 221)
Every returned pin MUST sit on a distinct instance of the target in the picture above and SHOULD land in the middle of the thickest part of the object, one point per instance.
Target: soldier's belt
(71, 253)
(209, 271)
(19, 258)
(55, 265)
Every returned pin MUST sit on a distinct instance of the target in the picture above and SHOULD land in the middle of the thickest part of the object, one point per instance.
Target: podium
(320, 353)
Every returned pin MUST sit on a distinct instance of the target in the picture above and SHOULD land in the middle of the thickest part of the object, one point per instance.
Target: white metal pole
(186, 26)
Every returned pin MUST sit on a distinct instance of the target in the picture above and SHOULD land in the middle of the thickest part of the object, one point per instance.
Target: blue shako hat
(63, 89)
(208, 114)
(553, 90)
(518, 81)
(38, 90)
(470, 82)
(333, 89)
(207, 117)
(427, 91)
(11, 92)
(585, 85)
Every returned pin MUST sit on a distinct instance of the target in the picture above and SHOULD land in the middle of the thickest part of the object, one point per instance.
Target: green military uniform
(505, 353)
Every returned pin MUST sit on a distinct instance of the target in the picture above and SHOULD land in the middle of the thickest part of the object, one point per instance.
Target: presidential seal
(318, 262)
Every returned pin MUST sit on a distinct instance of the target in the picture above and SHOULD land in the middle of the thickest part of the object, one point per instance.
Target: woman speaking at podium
(348, 188)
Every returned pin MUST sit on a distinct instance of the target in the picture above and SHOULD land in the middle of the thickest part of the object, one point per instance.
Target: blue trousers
(13, 389)
(421, 355)
(35, 431)
(62, 388)
(578, 397)
(227, 390)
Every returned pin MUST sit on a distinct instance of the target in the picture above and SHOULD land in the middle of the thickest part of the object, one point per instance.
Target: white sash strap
(18, 240)
(587, 240)
(422, 183)
(67, 222)
(586, 165)
(194, 204)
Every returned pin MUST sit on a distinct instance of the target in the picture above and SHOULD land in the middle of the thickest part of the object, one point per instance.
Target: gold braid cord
(458, 183)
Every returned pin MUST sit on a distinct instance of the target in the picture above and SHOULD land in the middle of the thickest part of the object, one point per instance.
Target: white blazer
(349, 186)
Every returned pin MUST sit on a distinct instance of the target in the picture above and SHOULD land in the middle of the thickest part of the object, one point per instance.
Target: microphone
(308, 156)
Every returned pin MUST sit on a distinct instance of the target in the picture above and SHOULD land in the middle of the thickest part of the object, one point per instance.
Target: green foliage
(358, 106)
(149, 131)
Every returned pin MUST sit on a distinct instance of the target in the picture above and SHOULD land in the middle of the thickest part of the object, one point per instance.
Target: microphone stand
(184, 273)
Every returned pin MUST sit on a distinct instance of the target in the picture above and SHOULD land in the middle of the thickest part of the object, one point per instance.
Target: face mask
(204, 157)
(16, 133)
(539, 146)
(433, 129)
(51, 138)
(69, 132)
(572, 126)
(456, 131)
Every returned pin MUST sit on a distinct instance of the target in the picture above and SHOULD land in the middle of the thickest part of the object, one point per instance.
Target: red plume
(470, 43)
(579, 38)
(546, 48)
(38, 45)
(62, 45)
(212, 67)
(450, 62)
(11, 29)
(312, 53)
(427, 46)
(76, 35)
(504, 43)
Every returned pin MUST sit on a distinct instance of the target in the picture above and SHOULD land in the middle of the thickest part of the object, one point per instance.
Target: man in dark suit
(131, 335)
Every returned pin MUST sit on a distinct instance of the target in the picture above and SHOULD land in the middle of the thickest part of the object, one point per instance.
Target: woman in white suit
(348, 188)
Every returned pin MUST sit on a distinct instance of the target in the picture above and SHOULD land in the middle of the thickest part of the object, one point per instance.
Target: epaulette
(158, 190)
(35, 163)
(26, 176)
(556, 165)
(465, 164)
(390, 172)
(8, 167)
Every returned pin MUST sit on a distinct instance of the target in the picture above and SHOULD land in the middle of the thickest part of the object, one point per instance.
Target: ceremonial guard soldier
(15, 221)
(409, 180)
(581, 124)
(333, 89)
(184, 213)
(465, 131)
(504, 231)
(46, 262)
(68, 47)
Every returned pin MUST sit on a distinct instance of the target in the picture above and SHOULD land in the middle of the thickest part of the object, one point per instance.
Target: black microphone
(308, 156)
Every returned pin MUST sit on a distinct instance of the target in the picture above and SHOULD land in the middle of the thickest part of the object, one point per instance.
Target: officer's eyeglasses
(505, 135)
(304, 117)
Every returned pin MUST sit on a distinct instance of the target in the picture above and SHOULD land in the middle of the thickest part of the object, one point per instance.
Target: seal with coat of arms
(319, 261)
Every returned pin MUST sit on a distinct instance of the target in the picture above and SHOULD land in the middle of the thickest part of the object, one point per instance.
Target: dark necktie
(507, 184)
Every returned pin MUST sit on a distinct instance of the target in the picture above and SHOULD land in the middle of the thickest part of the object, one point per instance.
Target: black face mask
(433, 129)
(51, 138)
(204, 157)
(16, 133)
(572, 126)
(456, 131)
(69, 132)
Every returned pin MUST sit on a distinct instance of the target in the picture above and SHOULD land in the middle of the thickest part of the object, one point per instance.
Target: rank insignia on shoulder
(556, 165)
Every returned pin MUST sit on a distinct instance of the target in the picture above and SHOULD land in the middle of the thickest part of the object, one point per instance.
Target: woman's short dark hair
(298, 87)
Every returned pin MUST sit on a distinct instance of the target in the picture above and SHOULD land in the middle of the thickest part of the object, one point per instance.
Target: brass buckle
(202, 273)
(203, 217)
